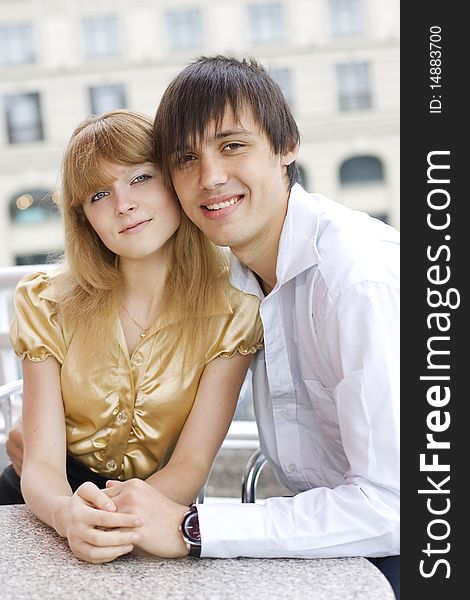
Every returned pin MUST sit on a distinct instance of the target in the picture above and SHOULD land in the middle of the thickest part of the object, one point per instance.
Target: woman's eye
(140, 178)
(98, 196)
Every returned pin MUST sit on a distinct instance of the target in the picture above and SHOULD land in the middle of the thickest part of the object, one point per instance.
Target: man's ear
(290, 155)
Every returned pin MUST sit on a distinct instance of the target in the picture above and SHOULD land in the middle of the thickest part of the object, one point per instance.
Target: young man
(326, 387)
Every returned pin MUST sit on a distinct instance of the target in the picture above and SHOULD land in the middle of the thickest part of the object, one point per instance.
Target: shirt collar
(243, 278)
(297, 245)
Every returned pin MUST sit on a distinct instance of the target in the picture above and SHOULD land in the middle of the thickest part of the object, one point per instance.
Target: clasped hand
(160, 515)
(96, 532)
(101, 525)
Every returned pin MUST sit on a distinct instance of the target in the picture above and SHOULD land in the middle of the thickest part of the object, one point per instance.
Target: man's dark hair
(201, 93)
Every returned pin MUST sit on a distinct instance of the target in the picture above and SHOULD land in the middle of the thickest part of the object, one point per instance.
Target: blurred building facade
(337, 62)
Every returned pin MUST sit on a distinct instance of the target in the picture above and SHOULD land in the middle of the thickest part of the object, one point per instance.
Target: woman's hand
(95, 531)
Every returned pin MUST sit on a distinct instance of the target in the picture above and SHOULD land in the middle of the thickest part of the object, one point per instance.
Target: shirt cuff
(231, 530)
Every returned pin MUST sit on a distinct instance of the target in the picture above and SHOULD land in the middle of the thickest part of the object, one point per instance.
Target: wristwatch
(190, 529)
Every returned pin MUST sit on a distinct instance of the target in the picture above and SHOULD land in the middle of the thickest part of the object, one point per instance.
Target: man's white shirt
(326, 392)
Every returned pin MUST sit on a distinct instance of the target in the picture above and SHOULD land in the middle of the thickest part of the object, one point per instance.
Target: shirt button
(111, 465)
(121, 417)
(292, 467)
(138, 360)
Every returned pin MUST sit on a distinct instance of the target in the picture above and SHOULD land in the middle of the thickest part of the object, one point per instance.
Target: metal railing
(11, 397)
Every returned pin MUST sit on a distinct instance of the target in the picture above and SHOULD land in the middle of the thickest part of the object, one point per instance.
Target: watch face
(191, 528)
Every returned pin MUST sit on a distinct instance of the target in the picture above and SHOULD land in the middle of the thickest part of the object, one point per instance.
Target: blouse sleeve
(34, 331)
(242, 331)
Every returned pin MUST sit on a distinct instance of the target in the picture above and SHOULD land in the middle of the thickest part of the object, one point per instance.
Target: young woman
(134, 351)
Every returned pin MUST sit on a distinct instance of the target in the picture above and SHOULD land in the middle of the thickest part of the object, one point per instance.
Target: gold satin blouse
(124, 413)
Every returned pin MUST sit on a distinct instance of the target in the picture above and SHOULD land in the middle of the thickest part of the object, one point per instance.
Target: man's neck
(260, 256)
(265, 286)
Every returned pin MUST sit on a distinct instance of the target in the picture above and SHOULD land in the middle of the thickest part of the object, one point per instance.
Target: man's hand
(161, 516)
(14, 446)
(95, 531)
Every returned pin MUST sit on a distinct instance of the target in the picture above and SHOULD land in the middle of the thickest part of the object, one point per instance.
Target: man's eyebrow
(220, 135)
(227, 133)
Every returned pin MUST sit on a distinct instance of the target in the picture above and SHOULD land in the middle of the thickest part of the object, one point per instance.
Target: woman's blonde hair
(91, 284)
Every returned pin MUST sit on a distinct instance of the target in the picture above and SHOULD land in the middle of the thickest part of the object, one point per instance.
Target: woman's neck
(144, 282)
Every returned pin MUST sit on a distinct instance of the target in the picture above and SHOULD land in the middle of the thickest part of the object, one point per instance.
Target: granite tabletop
(35, 563)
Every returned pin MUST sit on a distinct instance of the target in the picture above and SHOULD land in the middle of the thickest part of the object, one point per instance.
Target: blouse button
(111, 465)
(121, 417)
(138, 360)
(99, 443)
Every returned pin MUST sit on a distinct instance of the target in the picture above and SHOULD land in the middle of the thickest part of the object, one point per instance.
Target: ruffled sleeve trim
(35, 332)
(36, 357)
(241, 350)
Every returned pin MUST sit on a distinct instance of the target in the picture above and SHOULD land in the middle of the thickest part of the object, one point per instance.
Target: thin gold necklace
(144, 330)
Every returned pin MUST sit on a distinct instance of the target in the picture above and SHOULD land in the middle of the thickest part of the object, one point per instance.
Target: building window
(16, 44)
(360, 170)
(346, 17)
(354, 88)
(23, 116)
(184, 29)
(107, 97)
(284, 80)
(266, 22)
(33, 206)
(100, 37)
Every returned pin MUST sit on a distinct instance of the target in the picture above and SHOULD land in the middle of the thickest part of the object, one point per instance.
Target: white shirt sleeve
(319, 523)
(361, 517)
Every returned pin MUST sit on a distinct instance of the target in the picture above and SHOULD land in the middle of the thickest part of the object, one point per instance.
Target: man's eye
(233, 146)
(98, 196)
